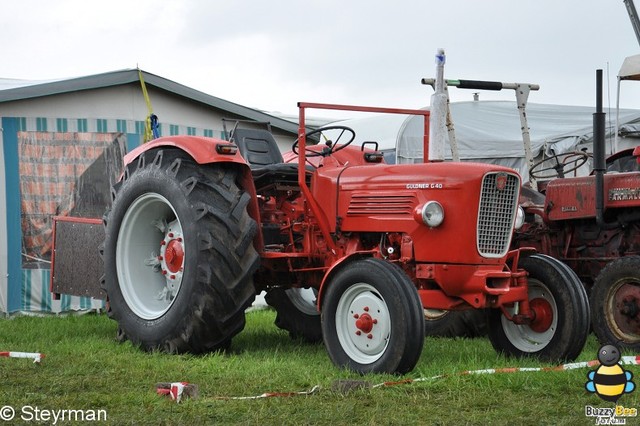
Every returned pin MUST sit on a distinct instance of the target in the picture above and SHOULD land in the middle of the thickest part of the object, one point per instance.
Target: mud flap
(76, 266)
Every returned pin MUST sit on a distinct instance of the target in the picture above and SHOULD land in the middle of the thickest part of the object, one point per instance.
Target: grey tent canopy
(489, 132)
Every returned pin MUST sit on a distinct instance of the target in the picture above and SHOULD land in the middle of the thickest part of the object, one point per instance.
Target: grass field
(86, 369)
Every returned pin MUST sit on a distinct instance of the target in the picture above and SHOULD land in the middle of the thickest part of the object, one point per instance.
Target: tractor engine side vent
(498, 205)
(391, 204)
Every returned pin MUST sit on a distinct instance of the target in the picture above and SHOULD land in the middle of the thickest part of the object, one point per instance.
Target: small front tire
(372, 318)
(560, 329)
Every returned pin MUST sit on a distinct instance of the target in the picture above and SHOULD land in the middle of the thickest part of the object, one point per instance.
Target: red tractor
(592, 224)
(199, 225)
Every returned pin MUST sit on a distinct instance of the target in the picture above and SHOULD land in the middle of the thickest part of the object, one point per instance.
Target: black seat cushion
(257, 146)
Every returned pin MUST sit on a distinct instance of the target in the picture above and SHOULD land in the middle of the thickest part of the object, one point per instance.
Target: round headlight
(432, 214)
(519, 218)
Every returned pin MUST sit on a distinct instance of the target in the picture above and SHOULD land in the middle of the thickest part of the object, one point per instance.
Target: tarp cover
(63, 174)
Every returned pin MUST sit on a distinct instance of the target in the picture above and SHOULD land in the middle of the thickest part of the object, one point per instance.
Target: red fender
(335, 267)
(202, 150)
(205, 151)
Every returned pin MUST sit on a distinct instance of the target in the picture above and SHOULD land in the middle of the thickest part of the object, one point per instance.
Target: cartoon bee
(609, 381)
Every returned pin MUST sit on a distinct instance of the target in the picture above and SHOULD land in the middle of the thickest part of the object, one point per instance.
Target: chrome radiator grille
(498, 204)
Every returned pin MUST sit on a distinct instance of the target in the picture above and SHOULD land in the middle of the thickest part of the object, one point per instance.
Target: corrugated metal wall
(3, 232)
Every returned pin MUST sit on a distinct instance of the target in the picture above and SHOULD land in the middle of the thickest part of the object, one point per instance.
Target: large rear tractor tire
(372, 318)
(615, 303)
(561, 325)
(297, 312)
(178, 254)
(469, 323)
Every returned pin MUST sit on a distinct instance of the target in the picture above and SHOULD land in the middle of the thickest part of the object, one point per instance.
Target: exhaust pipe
(599, 167)
(598, 150)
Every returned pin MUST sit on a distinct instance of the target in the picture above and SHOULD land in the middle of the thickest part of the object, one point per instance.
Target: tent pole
(615, 135)
(522, 94)
(451, 132)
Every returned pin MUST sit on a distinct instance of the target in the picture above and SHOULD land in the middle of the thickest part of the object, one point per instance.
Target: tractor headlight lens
(432, 214)
(519, 218)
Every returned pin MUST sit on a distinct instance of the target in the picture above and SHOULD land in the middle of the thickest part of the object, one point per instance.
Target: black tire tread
(300, 325)
(470, 323)
(573, 313)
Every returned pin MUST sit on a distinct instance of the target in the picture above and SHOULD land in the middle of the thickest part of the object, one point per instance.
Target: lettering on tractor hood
(425, 185)
(623, 194)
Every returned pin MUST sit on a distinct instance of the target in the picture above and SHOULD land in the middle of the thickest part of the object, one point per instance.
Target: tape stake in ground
(270, 395)
(177, 390)
(37, 357)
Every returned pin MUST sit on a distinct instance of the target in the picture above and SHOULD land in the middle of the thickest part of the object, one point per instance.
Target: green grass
(86, 369)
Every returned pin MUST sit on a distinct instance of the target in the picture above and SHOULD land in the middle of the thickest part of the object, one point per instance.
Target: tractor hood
(575, 198)
(390, 198)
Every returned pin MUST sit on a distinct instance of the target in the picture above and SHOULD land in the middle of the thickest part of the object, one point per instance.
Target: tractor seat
(260, 150)
(258, 147)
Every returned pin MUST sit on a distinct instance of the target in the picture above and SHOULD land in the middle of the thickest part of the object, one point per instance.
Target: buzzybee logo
(610, 381)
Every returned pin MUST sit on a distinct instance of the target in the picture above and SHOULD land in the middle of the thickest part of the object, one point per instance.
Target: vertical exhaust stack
(599, 153)
(438, 113)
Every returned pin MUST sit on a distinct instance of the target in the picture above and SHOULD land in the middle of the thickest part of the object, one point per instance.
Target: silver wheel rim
(149, 273)
(611, 307)
(304, 300)
(361, 344)
(522, 336)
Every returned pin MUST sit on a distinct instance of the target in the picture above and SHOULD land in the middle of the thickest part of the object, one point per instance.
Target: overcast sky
(271, 54)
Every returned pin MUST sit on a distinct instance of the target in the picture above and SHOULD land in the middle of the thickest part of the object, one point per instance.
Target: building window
(22, 124)
(208, 133)
(140, 127)
(82, 125)
(191, 131)
(41, 124)
(101, 124)
(174, 129)
(121, 126)
(62, 125)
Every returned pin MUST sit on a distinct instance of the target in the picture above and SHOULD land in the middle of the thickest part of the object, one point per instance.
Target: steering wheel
(330, 145)
(565, 163)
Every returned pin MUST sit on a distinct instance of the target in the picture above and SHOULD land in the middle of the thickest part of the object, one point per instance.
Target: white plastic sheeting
(630, 69)
(489, 131)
